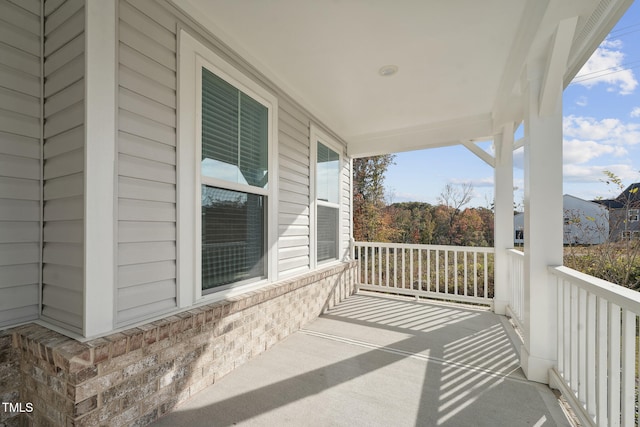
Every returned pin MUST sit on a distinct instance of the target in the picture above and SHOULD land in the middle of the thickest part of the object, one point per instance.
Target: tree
(370, 223)
(454, 198)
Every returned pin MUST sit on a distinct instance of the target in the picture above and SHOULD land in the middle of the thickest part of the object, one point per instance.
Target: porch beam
(440, 134)
(519, 143)
(483, 155)
(542, 229)
(556, 65)
(503, 218)
(530, 22)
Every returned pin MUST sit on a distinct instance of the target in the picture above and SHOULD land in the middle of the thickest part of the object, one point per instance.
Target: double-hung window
(327, 194)
(227, 204)
(234, 183)
(634, 214)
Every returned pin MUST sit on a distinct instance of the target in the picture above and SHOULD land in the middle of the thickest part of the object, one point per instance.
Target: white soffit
(451, 57)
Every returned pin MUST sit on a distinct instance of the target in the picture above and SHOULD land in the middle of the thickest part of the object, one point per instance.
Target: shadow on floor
(381, 361)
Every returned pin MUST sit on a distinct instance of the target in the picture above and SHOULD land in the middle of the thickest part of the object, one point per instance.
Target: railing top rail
(621, 296)
(515, 252)
(481, 249)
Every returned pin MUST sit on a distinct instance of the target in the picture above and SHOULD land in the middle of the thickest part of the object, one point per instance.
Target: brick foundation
(133, 377)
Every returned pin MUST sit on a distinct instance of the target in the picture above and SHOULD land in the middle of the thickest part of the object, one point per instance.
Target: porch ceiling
(459, 62)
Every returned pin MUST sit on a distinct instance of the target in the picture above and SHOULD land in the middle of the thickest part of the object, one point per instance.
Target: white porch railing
(454, 273)
(516, 279)
(597, 348)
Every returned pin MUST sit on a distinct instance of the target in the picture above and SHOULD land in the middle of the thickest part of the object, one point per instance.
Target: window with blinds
(327, 203)
(234, 177)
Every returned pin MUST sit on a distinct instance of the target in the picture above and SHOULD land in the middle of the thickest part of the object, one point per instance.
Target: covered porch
(101, 214)
(377, 359)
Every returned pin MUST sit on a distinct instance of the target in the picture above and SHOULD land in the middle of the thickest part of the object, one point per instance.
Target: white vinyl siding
(147, 133)
(63, 251)
(19, 163)
(293, 220)
(146, 236)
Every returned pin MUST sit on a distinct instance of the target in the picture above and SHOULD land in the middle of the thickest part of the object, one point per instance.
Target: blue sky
(601, 110)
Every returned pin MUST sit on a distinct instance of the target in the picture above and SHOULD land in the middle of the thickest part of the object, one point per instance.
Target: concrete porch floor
(376, 360)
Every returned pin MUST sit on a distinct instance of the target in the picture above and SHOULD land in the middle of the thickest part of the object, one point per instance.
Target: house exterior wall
(44, 163)
(588, 222)
(146, 162)
(20, 161)
(147, 282)
(585, 222)
(619, 223)
(64, 160)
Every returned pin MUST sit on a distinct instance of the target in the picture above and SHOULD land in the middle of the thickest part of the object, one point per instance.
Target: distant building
(585, 222)
(624, 213)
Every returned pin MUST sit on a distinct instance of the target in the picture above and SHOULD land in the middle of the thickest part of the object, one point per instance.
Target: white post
(100, 145)
(503, 219)
(542, 229)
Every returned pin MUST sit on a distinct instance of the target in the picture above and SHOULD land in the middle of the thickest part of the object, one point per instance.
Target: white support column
(100, 144)
(542, 229)
(503, 219)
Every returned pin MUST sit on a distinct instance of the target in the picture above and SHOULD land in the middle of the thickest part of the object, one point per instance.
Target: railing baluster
(359, 263)
(366, 265)
(591, 354)
(602, 403)
(581, 332)
(373, 266)
(428, 270)
(561, 325)
(628, 367)
(419, 269)
(387, 270)
(465, 273)
(475, 274)
(411, 268)
(446, 271)
(614, 365)
(403, 268)
(437, 254)
(573, 339)
(455, 272)
(567, 329)
(486, 275)
(380, 266)
(395, 267)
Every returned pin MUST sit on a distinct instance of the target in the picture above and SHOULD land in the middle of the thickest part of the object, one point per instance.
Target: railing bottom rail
(429, 295)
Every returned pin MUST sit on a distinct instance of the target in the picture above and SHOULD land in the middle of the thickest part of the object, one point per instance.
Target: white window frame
(634, 214)
(193, 55)
(315, 136)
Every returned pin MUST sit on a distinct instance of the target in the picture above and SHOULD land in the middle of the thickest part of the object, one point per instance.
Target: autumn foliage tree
(370, 221)
(448, 223)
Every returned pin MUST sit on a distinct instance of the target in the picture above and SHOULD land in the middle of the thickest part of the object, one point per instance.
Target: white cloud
(587, 139)
(606, 66)
(582, 101)
(608, 131)
(592, 173)
(476, 182)
(576, 151)
(518, 158)
(635, 112)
